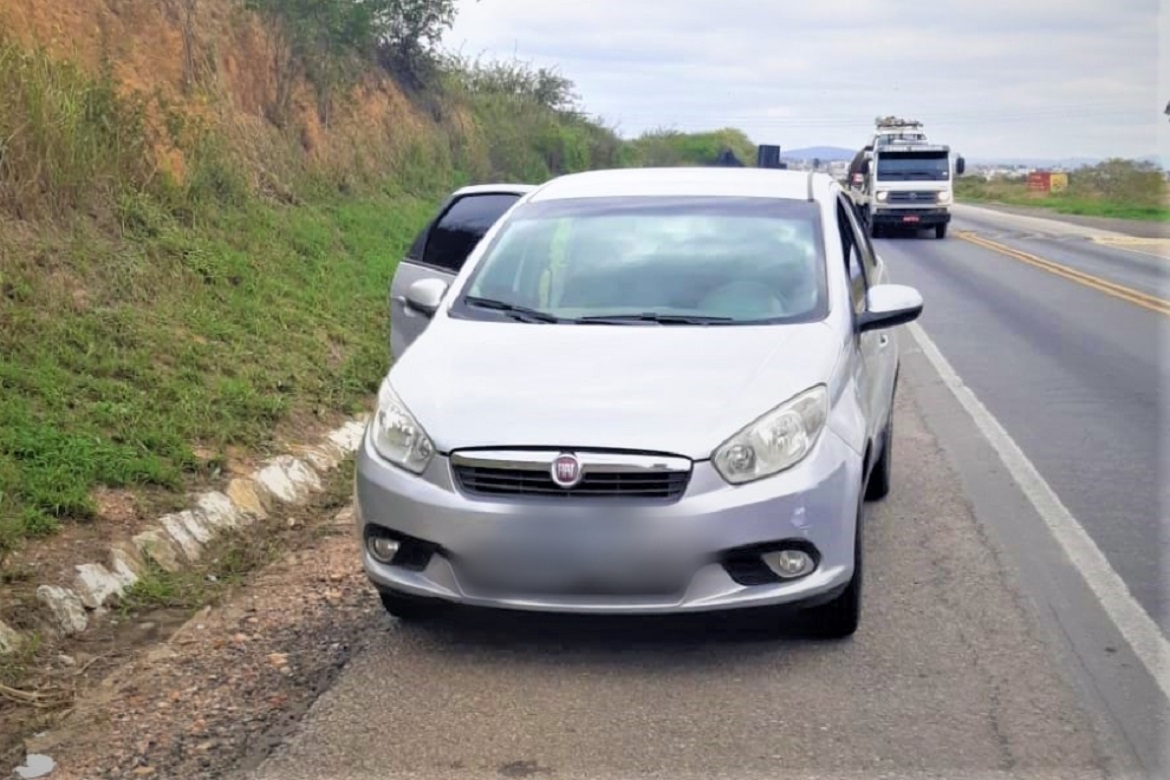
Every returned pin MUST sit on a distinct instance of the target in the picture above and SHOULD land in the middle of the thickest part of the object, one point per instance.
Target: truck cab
(902, 180)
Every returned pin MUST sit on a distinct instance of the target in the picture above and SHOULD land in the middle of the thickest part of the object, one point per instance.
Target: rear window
(460, 229)
(738, 260)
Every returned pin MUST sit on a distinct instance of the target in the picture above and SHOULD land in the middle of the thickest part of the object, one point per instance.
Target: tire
(875, 231)
(411, 608)
(878, 486)
(940, 231)
(839, 618)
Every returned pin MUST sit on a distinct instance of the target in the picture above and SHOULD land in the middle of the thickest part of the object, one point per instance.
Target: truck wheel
(940, 231)
(875, 231)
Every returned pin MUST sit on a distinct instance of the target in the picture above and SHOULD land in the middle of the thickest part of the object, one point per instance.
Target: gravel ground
(232, 682)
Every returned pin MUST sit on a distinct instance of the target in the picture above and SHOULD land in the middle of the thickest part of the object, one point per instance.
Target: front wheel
(940, 231)
(839, 618)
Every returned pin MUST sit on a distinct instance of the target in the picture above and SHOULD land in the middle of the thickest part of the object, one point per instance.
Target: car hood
(669, 389)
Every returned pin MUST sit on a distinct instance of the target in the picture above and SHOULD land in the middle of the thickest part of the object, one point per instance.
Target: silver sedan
(635, 391)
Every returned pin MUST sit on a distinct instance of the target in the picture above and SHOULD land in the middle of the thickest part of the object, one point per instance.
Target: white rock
(323, 459)
(158, 546)
(289, 479)
(303, 476)
(195, 521)
(275, 479)
(177, 529)
(96, 585)
(65, 607)
(125, 564)
(9, 638)
(349, 436)
(35, 765)
(219, 510)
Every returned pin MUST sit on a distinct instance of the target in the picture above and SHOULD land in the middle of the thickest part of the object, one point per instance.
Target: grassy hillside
(200, 212)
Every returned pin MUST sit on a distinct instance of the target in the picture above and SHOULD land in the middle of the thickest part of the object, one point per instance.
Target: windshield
(918, 166)
(647, 260)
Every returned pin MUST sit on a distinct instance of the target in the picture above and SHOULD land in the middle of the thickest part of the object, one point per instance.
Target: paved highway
(1011, 580)
(1027, 313)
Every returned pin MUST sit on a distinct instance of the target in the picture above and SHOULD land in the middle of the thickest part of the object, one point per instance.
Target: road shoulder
(1093, 656)
(1129, 227)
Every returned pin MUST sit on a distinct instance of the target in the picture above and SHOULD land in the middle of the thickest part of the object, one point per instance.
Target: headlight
(882, 196)
(944, 197)
(777, 441)
(397, 435)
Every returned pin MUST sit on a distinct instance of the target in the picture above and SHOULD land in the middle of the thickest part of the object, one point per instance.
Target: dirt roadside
(231, 682)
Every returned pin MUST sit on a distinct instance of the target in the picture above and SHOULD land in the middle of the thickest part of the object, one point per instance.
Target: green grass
(120, 355)
(1080, 204)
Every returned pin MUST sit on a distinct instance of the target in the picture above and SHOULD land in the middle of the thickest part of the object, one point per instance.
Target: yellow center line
(1151, 302)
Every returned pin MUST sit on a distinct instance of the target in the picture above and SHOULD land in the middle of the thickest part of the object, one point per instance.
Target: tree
(408, 34)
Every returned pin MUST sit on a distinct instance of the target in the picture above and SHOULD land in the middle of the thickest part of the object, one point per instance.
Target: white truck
(902, 180)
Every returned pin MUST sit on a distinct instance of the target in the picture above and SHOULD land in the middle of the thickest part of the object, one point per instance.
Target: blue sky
(1039, 78)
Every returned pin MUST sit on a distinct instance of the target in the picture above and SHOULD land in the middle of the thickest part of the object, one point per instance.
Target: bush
(67, 140)
(1122, 181)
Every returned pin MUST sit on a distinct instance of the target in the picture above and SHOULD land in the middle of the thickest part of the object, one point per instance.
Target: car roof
(665, 182)
(510, 188)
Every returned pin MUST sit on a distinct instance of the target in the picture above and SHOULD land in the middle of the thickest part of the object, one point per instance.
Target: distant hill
(822, 153)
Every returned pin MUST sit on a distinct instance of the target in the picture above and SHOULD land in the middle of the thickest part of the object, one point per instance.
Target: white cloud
(996, 77)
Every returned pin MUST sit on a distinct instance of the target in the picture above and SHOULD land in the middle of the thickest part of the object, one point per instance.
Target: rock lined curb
(177, 540)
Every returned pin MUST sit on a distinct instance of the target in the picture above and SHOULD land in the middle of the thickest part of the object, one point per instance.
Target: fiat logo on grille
(566, 470)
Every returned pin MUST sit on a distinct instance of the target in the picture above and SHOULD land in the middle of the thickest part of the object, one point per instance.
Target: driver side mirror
(960, 166)
(889, 305)
(425, 295)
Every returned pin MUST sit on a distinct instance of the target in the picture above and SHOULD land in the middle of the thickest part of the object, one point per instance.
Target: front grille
(491, 481)
(517, 588)
(911, 197)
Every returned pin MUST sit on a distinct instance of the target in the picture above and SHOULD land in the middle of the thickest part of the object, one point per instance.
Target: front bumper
(911, 218)
(700, 539)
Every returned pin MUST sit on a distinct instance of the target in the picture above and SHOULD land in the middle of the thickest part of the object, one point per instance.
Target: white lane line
(1139, 630)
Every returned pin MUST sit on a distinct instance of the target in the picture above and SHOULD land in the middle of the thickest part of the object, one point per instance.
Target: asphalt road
(985, 651)
(1074, 374)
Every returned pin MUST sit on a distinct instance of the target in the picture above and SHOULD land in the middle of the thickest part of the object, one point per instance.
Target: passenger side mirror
(889, 305)
(425, 295)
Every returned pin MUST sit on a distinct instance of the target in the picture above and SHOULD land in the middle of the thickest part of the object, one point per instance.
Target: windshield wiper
(515, 311)
(652, 317)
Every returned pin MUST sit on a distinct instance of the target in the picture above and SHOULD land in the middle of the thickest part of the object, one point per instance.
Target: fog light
(381, 548)
(789, 563)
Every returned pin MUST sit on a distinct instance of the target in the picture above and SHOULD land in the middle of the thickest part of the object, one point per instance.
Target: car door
(442, 247)
(886, 368)
(868, 345)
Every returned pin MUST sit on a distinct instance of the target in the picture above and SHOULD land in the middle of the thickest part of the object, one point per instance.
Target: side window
(850, 247)
(460, 228)
(420, 241)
